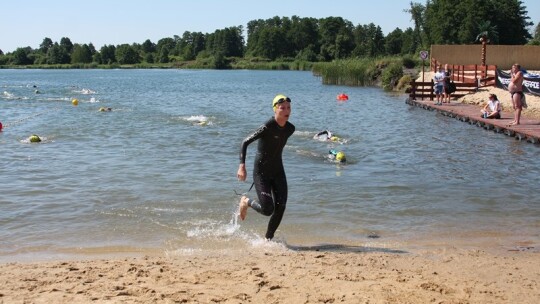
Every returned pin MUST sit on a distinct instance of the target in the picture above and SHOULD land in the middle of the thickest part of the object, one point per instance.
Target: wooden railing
(467, 78)
(483, 75)
(426, 90)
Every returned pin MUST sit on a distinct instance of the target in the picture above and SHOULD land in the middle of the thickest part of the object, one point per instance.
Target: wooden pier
(528, 129)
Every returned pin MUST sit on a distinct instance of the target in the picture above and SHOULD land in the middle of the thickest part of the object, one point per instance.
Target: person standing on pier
(515, 87)
(447, 89)
(439, 85)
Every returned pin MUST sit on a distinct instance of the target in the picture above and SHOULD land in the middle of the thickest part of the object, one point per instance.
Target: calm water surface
(157, 173)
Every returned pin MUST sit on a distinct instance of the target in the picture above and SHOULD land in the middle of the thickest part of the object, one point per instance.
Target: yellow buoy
(75, 101)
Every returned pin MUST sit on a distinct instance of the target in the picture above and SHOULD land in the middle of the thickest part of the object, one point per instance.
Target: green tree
(92, 48)
(369, 41)
(536, 36)
(149, 57)
(127, 54)
(254, 28)
(4, 59)
(67, 45)
(45, 45)
(307, 54)
(268, 38)
(417, 12)
(97, 58)
(107, 54)
(191, 44)
(81, 54)
(227, 42)
(219, 61)
(409, 46)
(270, 43)
(336, 37)
(148, 46)
(57, 55)
(164, 55)
(168, 43)
(304, 35)
(451, 22)
(394, 42)
(20, 56)
(510, 17)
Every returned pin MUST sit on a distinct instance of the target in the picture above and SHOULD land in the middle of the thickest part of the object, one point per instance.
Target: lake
(157, 174)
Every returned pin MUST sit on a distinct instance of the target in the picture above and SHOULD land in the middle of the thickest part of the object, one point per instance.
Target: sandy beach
(351, 275)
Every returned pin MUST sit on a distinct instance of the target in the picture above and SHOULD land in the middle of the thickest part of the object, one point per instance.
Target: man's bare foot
(243, 207)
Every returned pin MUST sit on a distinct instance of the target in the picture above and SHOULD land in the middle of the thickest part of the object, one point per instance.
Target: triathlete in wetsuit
(268, 172)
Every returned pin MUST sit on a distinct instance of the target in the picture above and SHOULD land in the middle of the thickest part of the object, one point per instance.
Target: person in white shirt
(492, 109)
(438, 78)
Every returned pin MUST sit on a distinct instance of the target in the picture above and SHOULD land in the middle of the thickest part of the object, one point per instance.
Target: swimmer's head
(279, 99)
(334, 138)
(340, 156)
(34, 138)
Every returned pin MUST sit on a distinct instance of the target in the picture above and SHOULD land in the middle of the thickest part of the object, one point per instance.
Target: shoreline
(313, 275)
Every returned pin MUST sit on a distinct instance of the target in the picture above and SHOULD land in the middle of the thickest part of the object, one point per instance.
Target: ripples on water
(158, 172)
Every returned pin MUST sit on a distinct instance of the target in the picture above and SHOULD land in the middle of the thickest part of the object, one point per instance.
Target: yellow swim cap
(34, 138)
(334, 138)
(340, 157)
(280, 98)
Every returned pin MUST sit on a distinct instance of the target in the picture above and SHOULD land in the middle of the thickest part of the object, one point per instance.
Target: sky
(104, 22)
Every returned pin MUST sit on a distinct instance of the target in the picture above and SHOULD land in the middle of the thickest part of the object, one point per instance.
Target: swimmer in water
(326, 136)
(337, 156)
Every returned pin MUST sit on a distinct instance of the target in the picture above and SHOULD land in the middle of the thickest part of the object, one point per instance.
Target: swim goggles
(281, 100)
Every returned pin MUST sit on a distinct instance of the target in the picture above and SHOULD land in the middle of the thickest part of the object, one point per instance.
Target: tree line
(305, 39)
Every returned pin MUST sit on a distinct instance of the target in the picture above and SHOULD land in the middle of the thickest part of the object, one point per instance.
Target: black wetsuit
(268, 172)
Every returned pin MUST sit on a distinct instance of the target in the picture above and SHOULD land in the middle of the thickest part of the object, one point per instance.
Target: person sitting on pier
(492, 109)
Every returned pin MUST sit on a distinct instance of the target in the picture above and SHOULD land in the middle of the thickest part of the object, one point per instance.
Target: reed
(354, 72)
(272, 65)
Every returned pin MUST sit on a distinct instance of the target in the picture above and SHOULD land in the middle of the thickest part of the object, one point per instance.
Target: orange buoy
(342, 96)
